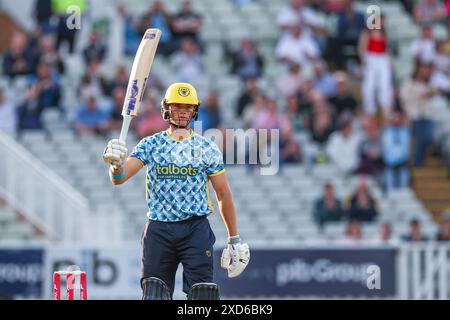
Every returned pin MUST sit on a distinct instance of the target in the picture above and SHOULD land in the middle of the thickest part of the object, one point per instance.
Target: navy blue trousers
(167, 244)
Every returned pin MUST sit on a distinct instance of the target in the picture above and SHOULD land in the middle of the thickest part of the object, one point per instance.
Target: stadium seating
(273, 210)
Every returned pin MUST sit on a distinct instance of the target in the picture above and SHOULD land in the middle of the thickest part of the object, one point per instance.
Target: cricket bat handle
(125, 126)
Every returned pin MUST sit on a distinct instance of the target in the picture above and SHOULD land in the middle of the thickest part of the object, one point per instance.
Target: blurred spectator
(247, 62)
(250, 91)
(187, 24)
(342, 146)
(8, 116)
(90, 118)
(429, 12)
(29, 112)
(324, 82)
(322, 124)
(18, 60)
(93, 82)
(353, 231)
(157, 17)
(344, 46)
(48, 54)
(64, 33)
(361, 206)
(440, 79)
(424, 48)
(415, 95)
(49, 90)
(95, 50)
(344, 101)
(333, 6)
(256, 106)
(115, 118)
(209, 114)
(150, 120)
(43, 13)
(291, 83)
(188, 62)
(306, 97)
(415, 232)
(120, 79)
(444, 229)
(377, 83)
(442, 59)
(384, 232)
(370, 149)
(289, 148)
(298, 12)
(297, 47)
(297, 119)
(302, 15)
(395, 144)
(269, 117)
(328, 208)
(447, 7)
(131, 35)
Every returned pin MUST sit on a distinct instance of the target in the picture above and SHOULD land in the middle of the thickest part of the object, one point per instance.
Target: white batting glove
(115, 153)
(235, 257)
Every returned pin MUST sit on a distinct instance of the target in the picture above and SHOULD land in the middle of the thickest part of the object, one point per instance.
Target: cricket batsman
(180, 164)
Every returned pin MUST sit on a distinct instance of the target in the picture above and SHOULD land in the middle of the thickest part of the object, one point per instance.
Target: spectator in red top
(377, 83)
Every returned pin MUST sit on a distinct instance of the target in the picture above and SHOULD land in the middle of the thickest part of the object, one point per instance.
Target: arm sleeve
(142, 151)
(214, 165)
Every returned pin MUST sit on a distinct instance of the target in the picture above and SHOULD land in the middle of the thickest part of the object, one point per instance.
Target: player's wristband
(234, 239)
(117, 176)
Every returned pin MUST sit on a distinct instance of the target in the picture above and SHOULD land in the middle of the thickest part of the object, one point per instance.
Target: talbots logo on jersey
(172, 171)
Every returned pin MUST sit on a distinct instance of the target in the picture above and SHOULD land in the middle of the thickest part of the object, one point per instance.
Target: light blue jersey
(178, 175)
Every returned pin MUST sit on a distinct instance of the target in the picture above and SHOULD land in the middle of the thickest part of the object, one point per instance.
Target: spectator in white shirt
(342, 146)
(8, 117)
(297, 10)
(424, 48)
(297, 47)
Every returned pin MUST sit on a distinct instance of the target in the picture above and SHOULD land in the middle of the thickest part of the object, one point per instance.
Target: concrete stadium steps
(14, 228)
(432, 186)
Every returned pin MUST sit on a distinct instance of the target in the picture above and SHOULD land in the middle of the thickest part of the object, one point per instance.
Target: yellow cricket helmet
(182, 93)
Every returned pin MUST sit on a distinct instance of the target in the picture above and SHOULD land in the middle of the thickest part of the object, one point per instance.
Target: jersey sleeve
(214, 165)
(142, 151)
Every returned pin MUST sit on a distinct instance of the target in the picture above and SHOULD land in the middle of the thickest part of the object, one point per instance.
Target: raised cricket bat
(138, 78)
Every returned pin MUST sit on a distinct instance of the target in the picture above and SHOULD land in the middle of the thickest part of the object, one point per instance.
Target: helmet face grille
(180, 93)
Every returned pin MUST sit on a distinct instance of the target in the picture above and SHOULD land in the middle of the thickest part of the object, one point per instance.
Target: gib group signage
(343, 272)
